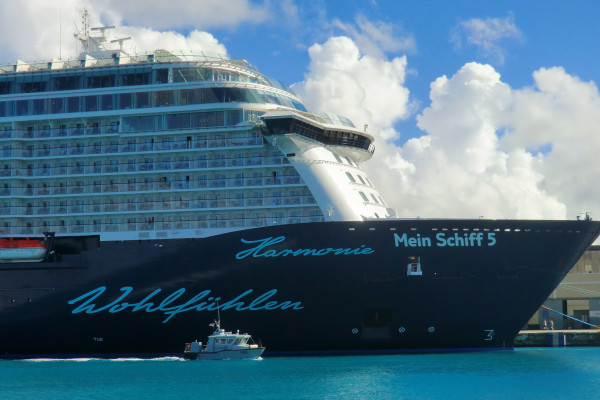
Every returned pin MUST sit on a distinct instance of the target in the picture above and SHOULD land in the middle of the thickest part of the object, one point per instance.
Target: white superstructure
(165, 145)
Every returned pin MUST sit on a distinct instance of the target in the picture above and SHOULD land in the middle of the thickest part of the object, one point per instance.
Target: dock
(558, 338)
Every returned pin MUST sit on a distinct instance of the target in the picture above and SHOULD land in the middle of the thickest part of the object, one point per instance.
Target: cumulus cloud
(486, 34)
(342, 80)
(487, 149)
(560, 116)
(145, 40)
(50, 25)
(463, 169)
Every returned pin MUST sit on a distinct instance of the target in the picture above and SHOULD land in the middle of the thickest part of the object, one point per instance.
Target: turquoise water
(559, 373)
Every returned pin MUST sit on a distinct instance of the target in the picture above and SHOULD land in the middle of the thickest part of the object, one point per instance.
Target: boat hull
(334, 287)
(239, 354)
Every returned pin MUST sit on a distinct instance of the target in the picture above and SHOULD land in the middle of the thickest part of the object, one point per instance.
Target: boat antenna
(218, 316)
(217, 323)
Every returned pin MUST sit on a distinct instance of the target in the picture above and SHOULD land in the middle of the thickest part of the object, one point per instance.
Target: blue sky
(479, 108)
(550, 33)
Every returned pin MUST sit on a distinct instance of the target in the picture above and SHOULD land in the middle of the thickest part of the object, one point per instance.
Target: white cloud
(561, 113)
(342, 80)
(376, 38)
(465, 171)
(145, 40)
(51, 24)
(173, 14)
(487, 149)
(486, 34)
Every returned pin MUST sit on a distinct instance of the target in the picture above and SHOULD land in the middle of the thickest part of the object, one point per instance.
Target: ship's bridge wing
(345, 139)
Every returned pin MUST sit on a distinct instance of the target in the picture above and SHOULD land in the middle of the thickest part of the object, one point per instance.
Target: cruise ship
(139, 194)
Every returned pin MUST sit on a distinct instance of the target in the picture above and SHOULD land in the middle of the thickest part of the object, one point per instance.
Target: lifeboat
(22, 250)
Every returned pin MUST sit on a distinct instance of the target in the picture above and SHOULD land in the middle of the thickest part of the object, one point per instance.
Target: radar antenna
(120, 41)
(91, 43)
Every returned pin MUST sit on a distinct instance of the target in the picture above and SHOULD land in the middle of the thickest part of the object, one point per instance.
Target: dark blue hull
(333, 287)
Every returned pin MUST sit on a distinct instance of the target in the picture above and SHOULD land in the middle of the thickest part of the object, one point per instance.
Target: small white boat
(224, 345)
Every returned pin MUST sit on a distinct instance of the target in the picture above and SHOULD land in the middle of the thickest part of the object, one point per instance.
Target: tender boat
(224, 345)
(21, 250)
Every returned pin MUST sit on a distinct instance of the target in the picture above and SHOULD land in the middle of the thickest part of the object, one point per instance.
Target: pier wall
(560, 338)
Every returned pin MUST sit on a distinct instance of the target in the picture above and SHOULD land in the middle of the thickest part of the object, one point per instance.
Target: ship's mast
(91, 43)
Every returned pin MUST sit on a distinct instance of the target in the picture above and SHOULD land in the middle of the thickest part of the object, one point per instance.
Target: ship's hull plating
(300, 289)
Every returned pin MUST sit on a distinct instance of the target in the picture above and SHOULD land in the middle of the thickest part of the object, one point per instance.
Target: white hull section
(241, 354)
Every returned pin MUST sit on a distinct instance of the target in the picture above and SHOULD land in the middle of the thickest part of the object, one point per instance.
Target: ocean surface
(553, 373)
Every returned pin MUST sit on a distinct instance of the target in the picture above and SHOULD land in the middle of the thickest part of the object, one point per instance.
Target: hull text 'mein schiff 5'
(140, 194)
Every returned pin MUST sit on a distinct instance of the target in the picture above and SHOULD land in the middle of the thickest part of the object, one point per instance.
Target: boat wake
(57, 359)
(123, 359)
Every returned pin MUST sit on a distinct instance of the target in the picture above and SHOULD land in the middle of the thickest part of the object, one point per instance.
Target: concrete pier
(560, 338)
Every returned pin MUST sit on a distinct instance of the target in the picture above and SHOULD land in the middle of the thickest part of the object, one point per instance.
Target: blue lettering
(409, 241)
(93, 294)
(148, 306)
(235, 303)
(170, 307)
(441, 239)
(262, 243)
(260, 250)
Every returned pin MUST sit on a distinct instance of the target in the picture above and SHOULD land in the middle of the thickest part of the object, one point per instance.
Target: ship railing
(201, 222)
(95, 148)
(176, 203)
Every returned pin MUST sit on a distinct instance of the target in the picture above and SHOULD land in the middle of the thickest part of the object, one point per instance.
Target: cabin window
(65, 82)
(142, 100)
(73, 104)
(101, 81)
(106, 102)
(56, 105)
(32, 87)
(139, 78)
(5, 87)
(162, 75)
(39, 106)
(125, 100)
(91, 103)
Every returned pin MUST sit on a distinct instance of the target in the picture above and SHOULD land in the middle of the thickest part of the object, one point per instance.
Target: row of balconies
(130, 206)
(142, 166)
(150, 225)
(90, 148)
(62, 131)
(182, 184)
